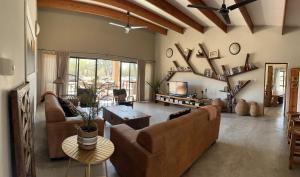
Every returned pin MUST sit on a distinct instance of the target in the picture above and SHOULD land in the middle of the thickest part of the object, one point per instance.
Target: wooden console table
(182, 101)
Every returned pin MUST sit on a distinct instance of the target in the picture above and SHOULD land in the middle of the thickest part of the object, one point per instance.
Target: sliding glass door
(106, 75)
(72, 76)
(129, 78)
(86, 73)
(108, 78)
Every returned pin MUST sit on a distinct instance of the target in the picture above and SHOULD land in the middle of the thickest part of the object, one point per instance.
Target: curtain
(62, 67)
(140, 80)
(48, 73)
(149, 77)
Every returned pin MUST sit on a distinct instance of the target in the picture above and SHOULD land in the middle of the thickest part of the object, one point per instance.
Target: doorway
(275, 82)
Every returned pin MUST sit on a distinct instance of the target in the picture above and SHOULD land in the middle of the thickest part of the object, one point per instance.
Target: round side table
(103, 151)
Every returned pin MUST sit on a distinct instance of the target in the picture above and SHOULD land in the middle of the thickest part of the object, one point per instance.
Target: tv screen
(177, 88)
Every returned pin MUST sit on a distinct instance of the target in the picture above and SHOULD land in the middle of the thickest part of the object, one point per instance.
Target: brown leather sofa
(60, 127)
(166, 149)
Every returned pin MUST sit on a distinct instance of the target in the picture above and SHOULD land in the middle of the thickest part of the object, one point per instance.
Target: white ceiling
(262, 12)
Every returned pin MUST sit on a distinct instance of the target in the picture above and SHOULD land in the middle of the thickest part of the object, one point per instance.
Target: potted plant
(88, 131)
(155, 86)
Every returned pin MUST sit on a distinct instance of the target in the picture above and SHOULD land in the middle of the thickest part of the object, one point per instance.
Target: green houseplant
(155, 86)
(88, 131)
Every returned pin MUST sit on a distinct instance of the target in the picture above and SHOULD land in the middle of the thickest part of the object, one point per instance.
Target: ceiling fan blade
(115, 24)
(138, 27)
(226, 18)
(127, 30)
(198, 6)
(241, 3)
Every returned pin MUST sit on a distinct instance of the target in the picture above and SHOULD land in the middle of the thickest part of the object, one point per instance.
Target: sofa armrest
(129, 157)
(57, 132)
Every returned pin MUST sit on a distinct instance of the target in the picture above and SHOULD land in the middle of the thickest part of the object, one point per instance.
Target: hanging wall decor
(234, 48)
(169, 52)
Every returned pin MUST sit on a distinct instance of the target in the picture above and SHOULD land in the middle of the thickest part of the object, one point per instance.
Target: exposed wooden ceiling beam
(172, 10)
(284, 16)
(246, 16)
(134, 8)
(80, 7)
(211, 15)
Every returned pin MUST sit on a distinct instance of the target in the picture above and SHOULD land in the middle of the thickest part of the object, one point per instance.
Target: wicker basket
(87, 140)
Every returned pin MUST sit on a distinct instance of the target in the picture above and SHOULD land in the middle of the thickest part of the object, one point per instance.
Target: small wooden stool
(294, 147)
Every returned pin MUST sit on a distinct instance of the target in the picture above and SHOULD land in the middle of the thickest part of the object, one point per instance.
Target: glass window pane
(72, 77)
(133, 80)
(125, 77)
(87, 73)
(108, 77)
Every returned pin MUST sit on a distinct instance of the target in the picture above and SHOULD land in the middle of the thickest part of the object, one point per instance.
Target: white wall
(265, 45)
(11, 47)
(91, 34)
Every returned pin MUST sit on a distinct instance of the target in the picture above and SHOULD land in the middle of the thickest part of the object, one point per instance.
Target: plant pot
(87, 139)
(242, 108)
(254, 109)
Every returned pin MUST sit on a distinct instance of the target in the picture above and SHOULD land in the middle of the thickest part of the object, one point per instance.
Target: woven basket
(87, 140)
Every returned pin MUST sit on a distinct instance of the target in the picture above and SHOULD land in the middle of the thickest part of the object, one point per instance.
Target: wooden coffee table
(125, 114)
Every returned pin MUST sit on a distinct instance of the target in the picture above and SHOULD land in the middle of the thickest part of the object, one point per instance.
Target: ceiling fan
(128, 27)
(224, 10)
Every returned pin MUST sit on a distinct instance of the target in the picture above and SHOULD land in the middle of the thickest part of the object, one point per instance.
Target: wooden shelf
(225, 78)
(216, 58)
(199, 74)
(203, 101)
(183, 71)
(231, 75)
(244, 85)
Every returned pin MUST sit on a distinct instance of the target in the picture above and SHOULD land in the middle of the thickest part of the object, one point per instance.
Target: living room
(173, 88)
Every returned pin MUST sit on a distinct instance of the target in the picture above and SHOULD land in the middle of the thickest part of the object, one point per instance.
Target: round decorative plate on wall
(169, 52)
(234, 48)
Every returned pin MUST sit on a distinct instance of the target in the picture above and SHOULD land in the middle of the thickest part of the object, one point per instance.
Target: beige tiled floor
(247, 147)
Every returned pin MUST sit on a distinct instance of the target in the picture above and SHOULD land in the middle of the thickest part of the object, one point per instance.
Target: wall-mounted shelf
(231, 93)
(234, 93)
(231, 75)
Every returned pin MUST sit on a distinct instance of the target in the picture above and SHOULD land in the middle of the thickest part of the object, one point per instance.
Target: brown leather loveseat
(166, 149)
(60, 127)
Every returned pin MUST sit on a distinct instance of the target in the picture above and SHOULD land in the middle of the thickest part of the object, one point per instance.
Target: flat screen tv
(177, 88)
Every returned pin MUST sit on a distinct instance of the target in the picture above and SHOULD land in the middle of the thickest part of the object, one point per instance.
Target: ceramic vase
(254, 109)
(242, 108)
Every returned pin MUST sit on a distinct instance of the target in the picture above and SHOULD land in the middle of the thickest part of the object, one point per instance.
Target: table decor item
(88, 132)
(254, 109)
(242, 108)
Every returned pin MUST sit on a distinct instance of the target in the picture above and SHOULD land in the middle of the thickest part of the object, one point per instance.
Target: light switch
(7, 67)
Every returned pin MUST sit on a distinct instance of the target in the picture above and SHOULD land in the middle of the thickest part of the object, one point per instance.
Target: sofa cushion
(179, 113)
(68, 107)
(213, 111)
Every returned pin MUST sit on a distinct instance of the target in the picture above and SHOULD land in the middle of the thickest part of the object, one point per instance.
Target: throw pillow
(178, 114)
(68, 107)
